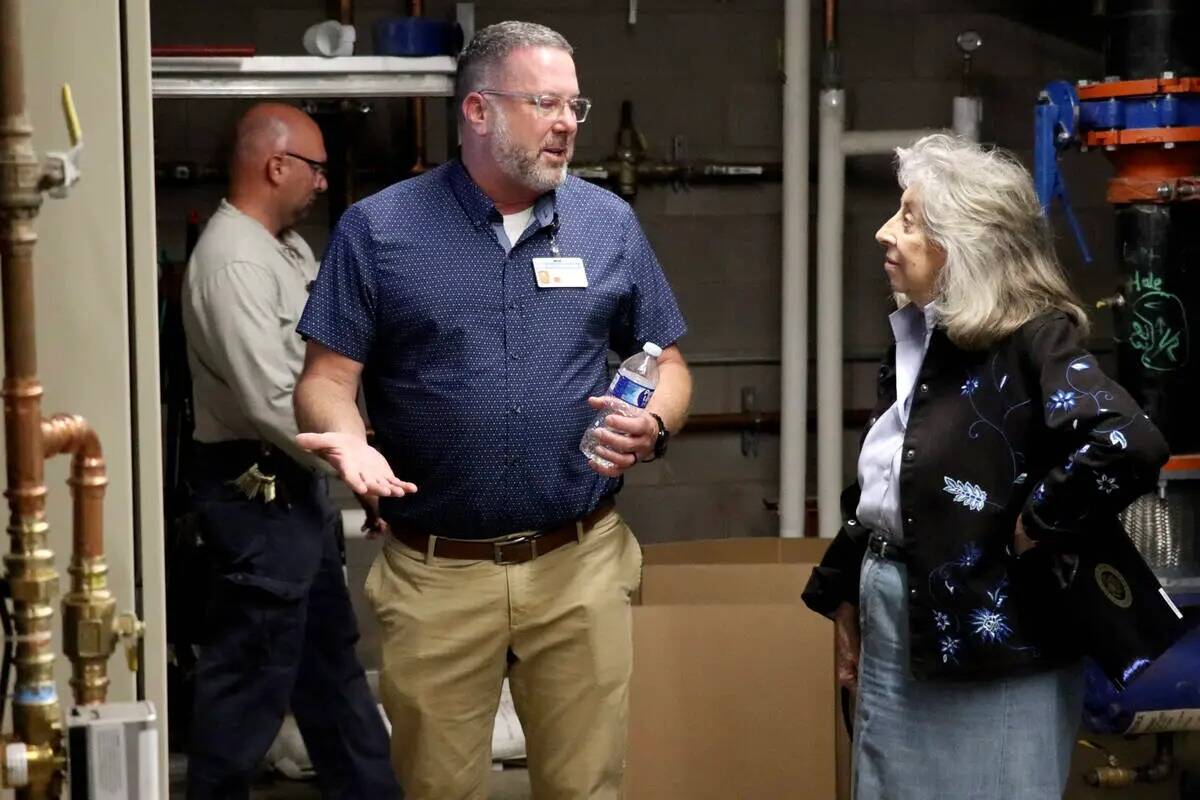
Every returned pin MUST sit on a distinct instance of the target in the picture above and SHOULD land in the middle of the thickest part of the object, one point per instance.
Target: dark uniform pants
(280, 632)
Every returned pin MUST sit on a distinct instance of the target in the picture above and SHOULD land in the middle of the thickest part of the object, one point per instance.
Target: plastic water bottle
(633, 385)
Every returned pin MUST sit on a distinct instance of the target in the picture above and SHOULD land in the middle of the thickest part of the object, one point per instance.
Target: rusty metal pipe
(12, 71)
(35, 756)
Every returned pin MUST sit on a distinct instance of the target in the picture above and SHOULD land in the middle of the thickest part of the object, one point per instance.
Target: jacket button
(908, 520)
(872, 421)
(923, 388)
(910, 454)
(851, 522)
(912, 592)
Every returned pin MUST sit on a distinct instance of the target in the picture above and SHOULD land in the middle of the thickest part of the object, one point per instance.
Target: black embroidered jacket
(1030, 427)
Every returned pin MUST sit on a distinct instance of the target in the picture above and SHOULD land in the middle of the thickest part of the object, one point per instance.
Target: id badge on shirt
(560, 273)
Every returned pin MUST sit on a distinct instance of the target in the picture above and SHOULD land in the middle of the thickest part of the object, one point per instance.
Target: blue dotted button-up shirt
(476, 380)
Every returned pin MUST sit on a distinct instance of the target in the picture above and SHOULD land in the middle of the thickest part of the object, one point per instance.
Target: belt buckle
(498, 549)
(878, 545)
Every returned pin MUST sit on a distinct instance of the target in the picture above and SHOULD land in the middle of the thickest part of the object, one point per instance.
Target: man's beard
(299, 213)
(524, 166)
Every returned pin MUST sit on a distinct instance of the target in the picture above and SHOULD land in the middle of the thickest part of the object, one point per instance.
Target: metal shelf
(303, 76)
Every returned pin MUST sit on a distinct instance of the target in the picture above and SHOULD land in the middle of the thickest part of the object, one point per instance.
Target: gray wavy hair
(484, 55)
(979, 207)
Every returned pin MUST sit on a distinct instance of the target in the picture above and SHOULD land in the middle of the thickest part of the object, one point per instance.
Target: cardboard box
(732, 693)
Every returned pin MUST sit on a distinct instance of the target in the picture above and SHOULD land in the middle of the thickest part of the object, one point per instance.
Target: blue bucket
(416, 37)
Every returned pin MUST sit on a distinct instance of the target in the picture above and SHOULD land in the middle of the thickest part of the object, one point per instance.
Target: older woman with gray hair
(995, 432)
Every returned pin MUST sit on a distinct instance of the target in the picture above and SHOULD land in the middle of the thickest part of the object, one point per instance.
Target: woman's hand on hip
(846, 645)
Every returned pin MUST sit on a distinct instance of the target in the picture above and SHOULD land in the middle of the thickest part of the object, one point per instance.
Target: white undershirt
(515, 225)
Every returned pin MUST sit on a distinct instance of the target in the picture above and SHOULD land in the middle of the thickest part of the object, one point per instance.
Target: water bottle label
(630, 391)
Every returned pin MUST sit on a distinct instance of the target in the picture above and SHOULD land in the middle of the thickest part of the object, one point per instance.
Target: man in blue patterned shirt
(477, 303)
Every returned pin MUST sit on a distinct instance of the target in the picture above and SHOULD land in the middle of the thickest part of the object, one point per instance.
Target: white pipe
(871, 143)
(836, 144)
(793, 450)
(830, 207)
(968, 113)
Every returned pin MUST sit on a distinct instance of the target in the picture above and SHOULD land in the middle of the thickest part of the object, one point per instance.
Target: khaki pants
(559, 626)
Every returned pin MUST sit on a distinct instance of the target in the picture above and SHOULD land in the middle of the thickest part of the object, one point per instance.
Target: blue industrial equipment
(1165, 698)
(1145, 117)
(1055, 123)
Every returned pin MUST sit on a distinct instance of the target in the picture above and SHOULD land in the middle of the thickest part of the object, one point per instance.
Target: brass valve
(61, 170)
(130, 630)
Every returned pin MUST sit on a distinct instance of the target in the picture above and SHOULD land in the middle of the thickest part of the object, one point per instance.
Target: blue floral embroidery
(989, 625)
(999, 594)
(1076, 392)
(997, 382)
(943, 577)
(949, 647)
(969, 556)
(1135, 666)
(1106, 483)
(941, 619)
(1061, 400)
(968, 494)
(1069, 467)
(1039, 494)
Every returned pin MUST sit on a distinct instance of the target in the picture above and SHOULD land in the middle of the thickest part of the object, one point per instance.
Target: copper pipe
(70, 433)
(37, 718)
(341, 10)
(89, 609)
(830, 23)
(416, 108)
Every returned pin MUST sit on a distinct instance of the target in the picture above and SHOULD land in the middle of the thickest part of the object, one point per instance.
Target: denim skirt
(1000, 739)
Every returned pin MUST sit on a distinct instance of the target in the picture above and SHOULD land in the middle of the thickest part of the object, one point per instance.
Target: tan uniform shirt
(243, 295)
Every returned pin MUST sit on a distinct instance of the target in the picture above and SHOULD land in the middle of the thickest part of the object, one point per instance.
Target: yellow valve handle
(73, 128)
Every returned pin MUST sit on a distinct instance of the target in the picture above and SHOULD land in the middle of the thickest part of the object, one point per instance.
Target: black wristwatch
(664, 435)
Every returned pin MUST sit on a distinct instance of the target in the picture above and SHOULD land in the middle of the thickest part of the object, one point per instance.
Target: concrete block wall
(709, 71)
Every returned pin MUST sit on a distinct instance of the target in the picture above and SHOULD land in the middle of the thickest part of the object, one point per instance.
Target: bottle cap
(652, 349)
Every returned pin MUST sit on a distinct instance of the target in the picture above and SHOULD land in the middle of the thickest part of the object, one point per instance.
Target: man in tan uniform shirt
(280, 629)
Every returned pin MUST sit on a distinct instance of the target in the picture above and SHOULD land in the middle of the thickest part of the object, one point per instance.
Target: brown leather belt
(515, 550)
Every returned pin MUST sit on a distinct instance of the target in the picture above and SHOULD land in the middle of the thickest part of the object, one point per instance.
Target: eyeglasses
(549, 105)
(319, 167)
